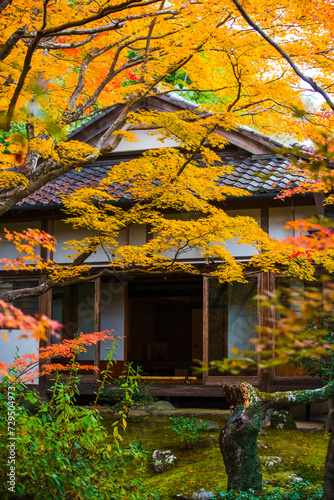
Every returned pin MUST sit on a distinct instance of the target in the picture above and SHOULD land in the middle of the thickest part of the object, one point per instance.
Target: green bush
(188, 429)
(129, 384)
(293, 491)
(63, 451)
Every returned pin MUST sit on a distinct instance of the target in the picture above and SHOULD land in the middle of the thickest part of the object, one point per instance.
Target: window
(73, 307)
(28, 305)
(232, 319)
(287, 285)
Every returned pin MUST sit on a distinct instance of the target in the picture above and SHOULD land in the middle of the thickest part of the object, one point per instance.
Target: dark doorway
(165, 325)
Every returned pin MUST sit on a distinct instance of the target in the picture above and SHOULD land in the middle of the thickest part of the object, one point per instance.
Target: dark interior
(165, 325)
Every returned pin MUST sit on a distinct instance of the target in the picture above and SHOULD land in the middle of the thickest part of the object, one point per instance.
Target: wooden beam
(267, 318)
(45, 307)
(97, 323)
(205, 325)
(126, 321)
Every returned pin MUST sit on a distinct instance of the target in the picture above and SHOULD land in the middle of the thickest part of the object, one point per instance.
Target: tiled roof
(258, 174)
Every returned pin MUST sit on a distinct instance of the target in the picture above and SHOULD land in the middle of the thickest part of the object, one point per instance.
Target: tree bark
(238, 439)
(238, 444)
(329, 467)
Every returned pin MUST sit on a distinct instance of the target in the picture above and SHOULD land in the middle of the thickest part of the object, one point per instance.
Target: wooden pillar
(52, 229)
(267, 318)
(126, 322)
(45, 228)
(205, 326)
(97, 323)
(45, 307)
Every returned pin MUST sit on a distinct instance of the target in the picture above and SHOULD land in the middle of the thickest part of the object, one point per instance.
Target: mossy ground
(202, 466)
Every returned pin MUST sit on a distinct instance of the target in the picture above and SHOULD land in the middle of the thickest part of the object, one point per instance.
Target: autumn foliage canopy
(63, 62)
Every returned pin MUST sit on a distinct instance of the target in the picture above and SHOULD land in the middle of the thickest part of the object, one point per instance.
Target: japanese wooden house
(166, 321)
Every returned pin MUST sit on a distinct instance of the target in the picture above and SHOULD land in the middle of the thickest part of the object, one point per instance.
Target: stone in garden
(294, 477)
(203, 495)
(162, 460)
(282, 420)
(134, 412)
(156, 406)
(267, 418)
(271, 461)
(162, 406)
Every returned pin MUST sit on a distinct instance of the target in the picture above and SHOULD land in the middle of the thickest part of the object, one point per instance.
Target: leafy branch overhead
(64, 63)
(55, 74)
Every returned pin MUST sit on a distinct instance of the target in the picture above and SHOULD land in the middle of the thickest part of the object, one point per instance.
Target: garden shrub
(63, 451)
(188, 429)
(130, 384)
(293, 491)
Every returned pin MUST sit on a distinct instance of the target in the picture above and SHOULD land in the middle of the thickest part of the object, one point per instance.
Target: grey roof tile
(256, 173)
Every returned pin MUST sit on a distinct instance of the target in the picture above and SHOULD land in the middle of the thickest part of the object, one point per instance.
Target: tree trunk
(329, 415)
(329, 467)
(238, 444)
(238, 439)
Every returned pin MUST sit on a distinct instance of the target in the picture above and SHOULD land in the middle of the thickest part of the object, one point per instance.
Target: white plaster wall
(145, 141)
(8, 348)
(305, 212)
(113, 315)
(236, 249)
(189, 253)
(279, 216)
(137, 234)
(7, 249)
(239, 249)
(64, 232)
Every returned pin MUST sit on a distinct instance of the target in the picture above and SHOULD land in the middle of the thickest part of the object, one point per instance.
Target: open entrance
(165, 331)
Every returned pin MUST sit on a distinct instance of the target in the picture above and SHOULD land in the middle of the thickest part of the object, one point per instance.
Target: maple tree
(56, 74)
(30, 366)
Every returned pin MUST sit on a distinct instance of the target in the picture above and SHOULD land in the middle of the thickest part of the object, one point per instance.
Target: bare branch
(101, 14)
(11, 42)
(45, 7)
(196, 151)
(252, 104)
(295, 68)
(150, 31)
(57, 46)
(237, 76)
(114, 25)
(6, 120)
(118, 123)
(81, 79)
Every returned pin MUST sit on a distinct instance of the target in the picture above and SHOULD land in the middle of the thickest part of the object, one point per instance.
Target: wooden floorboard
(165, 390)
